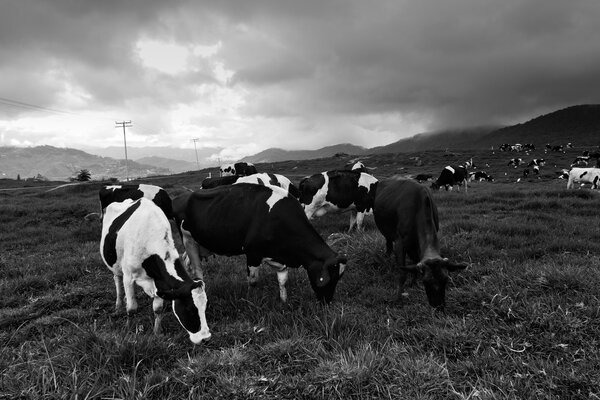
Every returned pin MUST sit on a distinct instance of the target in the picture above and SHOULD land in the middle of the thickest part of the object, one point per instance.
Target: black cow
(515, 162)
(262, 222)
(210, 183)
(118, 193)
(450, 176)
(336, 191)
(423, 178)
(408, 219)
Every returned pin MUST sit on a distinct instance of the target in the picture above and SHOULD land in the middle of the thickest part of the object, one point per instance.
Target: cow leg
(352, 221)
(401, 262)
(282, 277)
(360, 216)
(389, 246)
(158, 308)
(119, 289)
(200, 301)
(130, 300)
(253, 274)
(193, 251)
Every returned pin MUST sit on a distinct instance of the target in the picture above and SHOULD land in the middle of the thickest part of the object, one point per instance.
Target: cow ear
(182, 291)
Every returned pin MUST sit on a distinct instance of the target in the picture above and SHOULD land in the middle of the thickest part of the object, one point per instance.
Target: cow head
(434, 273)
(189, 305)
(324, 277)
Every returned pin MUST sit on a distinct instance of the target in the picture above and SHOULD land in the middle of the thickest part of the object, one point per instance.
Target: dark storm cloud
(339, 68)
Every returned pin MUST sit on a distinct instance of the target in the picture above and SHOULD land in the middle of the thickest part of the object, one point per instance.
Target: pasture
(522, 321)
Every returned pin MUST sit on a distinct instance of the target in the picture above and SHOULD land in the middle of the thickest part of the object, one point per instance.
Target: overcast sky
(296, 74)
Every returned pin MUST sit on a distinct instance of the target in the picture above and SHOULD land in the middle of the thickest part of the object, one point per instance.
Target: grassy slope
(522, 321)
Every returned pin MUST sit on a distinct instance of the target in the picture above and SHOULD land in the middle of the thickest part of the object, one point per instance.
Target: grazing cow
(580, 161)
(558, 148)
(529, 147)
(210, 183)
(264, 223)
(504, 147)
(137, 246)
(118, 193)
(267, 179)
(563, 174)
(423, 178)
(515, 162)
(227, 170)
(336, 191)
(536, 170)
(584, 175)
(451, 176)
(537, 161)
(359, 167)
(481, 176)
(408, 219)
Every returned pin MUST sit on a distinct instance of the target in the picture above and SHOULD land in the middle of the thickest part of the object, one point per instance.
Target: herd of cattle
(266, 217)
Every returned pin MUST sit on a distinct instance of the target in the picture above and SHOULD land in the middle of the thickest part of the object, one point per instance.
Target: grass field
(522, 321)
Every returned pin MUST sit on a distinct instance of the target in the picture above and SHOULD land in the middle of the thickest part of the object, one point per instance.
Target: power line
(29, 106)
(125, 124)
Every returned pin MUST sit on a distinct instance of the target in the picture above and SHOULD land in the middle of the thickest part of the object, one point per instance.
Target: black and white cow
(118, 193)
(450, 176)
(540, 162)
(480, 176)
(267, 179)
(557, 148)
(266, 224)
(137, 246)
(262, 178)
(407, 216)
(580, 161)
(584, 175)
(515, 162)
(239, 168)
(337, 191)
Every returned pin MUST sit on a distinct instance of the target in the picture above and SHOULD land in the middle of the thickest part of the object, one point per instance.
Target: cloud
(295, 74)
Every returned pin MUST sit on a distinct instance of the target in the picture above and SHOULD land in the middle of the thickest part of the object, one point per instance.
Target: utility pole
(196, 150)
(125, 124)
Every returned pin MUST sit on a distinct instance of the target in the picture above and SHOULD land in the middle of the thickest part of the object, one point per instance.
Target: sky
(243, 76)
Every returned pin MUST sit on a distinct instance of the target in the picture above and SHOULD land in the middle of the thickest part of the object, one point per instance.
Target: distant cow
(264, 223)
(137, 246)
(450, 176)
(239, 168)
(515, 162)
(580, 161)
(537, 161)
(563, 174)
(423, 178)
(526, 172)
(584, 175)
(359, 167)
(271, 180)
(118, 193)
(408, 219)
(481, 176)
(528, 147)
(557, 148)
(339, 190)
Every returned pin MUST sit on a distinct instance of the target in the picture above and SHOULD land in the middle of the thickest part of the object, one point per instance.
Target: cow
(526, 172)
(584, 175)
(537, 162)
(209, 183)
(504, 147)
(562, 174)
(451, 176)
(515, 162)
(239, 168)
(337, 191)
(407, 217)
(265, 224)
(529, 147)
(481, 176)
(137, 247)
(580, 161)
(557, 148)
(423, 178)
(118, 193)
(359, 167)
(272, 180)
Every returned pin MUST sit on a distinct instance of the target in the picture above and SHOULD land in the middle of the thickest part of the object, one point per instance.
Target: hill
(276, 154)
(61, 163)
(164, 152)
(579, 125)
(174, 166)
(438, 140)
